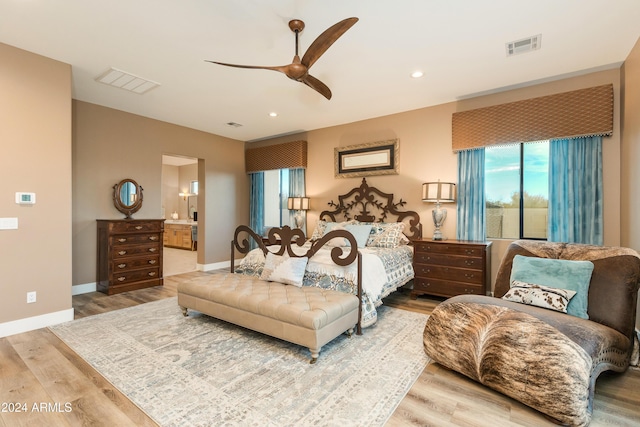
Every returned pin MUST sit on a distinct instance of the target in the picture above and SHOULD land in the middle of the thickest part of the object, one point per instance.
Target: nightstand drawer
(445, 288)
(450, 249)
(453, 261)
(449, 273)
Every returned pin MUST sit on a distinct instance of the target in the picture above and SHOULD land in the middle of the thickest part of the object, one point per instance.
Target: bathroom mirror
(127, 197)
(193, 206)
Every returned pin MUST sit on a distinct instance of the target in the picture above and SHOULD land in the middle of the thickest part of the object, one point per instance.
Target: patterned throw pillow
(318, 232)
(389, 236)
(284, 269)
(540, 296)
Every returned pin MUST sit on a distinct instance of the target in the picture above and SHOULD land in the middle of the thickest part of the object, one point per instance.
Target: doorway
(180, 211)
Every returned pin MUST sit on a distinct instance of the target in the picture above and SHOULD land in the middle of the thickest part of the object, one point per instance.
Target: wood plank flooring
(38, 368)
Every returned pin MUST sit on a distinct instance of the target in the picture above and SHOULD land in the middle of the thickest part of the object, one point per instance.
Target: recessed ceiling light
(123, 80)
(273, 114)
(417, 74)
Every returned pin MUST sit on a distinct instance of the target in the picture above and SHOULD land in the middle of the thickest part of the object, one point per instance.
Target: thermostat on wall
(25, 198)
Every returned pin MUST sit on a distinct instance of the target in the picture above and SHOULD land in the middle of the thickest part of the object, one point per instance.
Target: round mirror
(127, 197)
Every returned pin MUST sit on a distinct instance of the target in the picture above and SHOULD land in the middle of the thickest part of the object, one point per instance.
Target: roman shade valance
(584, 112)
(281, 156)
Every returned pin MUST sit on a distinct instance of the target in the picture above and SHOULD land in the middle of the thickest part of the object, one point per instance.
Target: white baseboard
(83, 289)
(35, 322)
(213, 266)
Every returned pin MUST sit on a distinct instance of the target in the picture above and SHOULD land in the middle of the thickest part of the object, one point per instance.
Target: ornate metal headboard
(359, 203)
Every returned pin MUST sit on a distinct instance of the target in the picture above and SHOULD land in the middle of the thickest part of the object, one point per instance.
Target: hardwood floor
(37, 368)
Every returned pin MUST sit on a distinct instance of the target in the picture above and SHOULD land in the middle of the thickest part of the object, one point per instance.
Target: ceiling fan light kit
(298, 70)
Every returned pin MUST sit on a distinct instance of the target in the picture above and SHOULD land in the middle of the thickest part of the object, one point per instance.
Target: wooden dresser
(451, 267)
(129, 254)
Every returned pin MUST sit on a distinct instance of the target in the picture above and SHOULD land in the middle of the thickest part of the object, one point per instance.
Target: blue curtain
(575, 190)
(296, 189)
(256, 204)
(471, 199)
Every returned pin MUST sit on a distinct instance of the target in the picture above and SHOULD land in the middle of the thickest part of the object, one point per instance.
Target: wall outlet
(31, 297)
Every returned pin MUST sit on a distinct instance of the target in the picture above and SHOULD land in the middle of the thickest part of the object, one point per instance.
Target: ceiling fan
(299, 69)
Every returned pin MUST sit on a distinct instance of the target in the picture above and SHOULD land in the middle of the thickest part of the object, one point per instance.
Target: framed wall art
(374, 158)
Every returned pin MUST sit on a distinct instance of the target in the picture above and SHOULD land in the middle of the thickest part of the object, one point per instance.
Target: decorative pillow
(390, 237)
(318, 232)
(359, 231)
(284, 269)
(557, 273)
(540, 296)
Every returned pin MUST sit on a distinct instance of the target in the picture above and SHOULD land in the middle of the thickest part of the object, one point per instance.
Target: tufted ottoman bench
(307, 316)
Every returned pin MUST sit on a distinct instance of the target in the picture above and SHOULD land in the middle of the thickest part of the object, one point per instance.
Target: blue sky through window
(502, 171)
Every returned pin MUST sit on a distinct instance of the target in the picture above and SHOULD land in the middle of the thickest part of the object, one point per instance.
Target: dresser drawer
(445, 288)
(135, 275)
(136, 226)
(128, 239)
(134, 263)
(453, 261)
(128, 251)
(451, 249)
(449, 273)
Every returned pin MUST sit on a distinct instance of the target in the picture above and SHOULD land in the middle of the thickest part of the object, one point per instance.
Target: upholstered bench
(305, 315)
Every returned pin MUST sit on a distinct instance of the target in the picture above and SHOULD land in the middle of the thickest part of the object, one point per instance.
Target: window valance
(584, 112)
(281, 156)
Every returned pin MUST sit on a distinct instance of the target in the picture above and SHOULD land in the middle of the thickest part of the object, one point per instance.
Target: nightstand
(451, 267)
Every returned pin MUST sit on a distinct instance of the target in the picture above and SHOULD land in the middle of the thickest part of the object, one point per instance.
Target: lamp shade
(442, 192)
(298, 203)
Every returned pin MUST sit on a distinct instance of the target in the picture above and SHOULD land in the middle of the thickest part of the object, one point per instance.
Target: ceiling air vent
(234, 124)
(524, 45)
(127, 81)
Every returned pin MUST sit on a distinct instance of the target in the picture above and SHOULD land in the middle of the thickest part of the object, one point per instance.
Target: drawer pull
(122, 240)
(153, 249)
(152, 261)
(122, 252)
(121, 279)
(469, 262)
(122, 265)
(469, 275)
(151, 273)
(138, 227)
(468, 251)
(154, 238)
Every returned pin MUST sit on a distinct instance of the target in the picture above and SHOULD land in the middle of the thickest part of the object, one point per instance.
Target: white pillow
(539, 295)
(284, 269)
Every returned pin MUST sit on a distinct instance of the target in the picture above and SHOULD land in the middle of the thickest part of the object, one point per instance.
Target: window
(276, 192)
(517, 190)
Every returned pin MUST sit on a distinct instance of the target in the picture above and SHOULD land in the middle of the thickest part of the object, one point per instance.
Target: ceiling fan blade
(281, 69)
(325, 40)
(317, 85)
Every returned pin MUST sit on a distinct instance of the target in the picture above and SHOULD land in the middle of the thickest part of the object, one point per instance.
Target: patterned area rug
(199, 371)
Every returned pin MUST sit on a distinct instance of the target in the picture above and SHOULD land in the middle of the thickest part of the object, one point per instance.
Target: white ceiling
(459, 44)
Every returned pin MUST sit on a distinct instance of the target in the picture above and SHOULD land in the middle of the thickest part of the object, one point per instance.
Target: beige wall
(35, 136)
(110, 145)
(175, 180)
(425, 154)
(630, 188)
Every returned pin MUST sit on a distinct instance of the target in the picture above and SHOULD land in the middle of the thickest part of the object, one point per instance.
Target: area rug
(199, 371)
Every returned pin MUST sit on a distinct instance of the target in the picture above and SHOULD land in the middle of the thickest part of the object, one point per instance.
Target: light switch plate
(8, 223)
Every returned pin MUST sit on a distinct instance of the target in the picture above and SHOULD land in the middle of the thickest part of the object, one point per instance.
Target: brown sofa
(545, 359)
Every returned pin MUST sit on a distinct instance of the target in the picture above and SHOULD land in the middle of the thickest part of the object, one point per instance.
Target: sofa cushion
(557, 273)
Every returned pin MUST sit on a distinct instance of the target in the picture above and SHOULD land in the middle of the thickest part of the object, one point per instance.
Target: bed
(384, 232)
